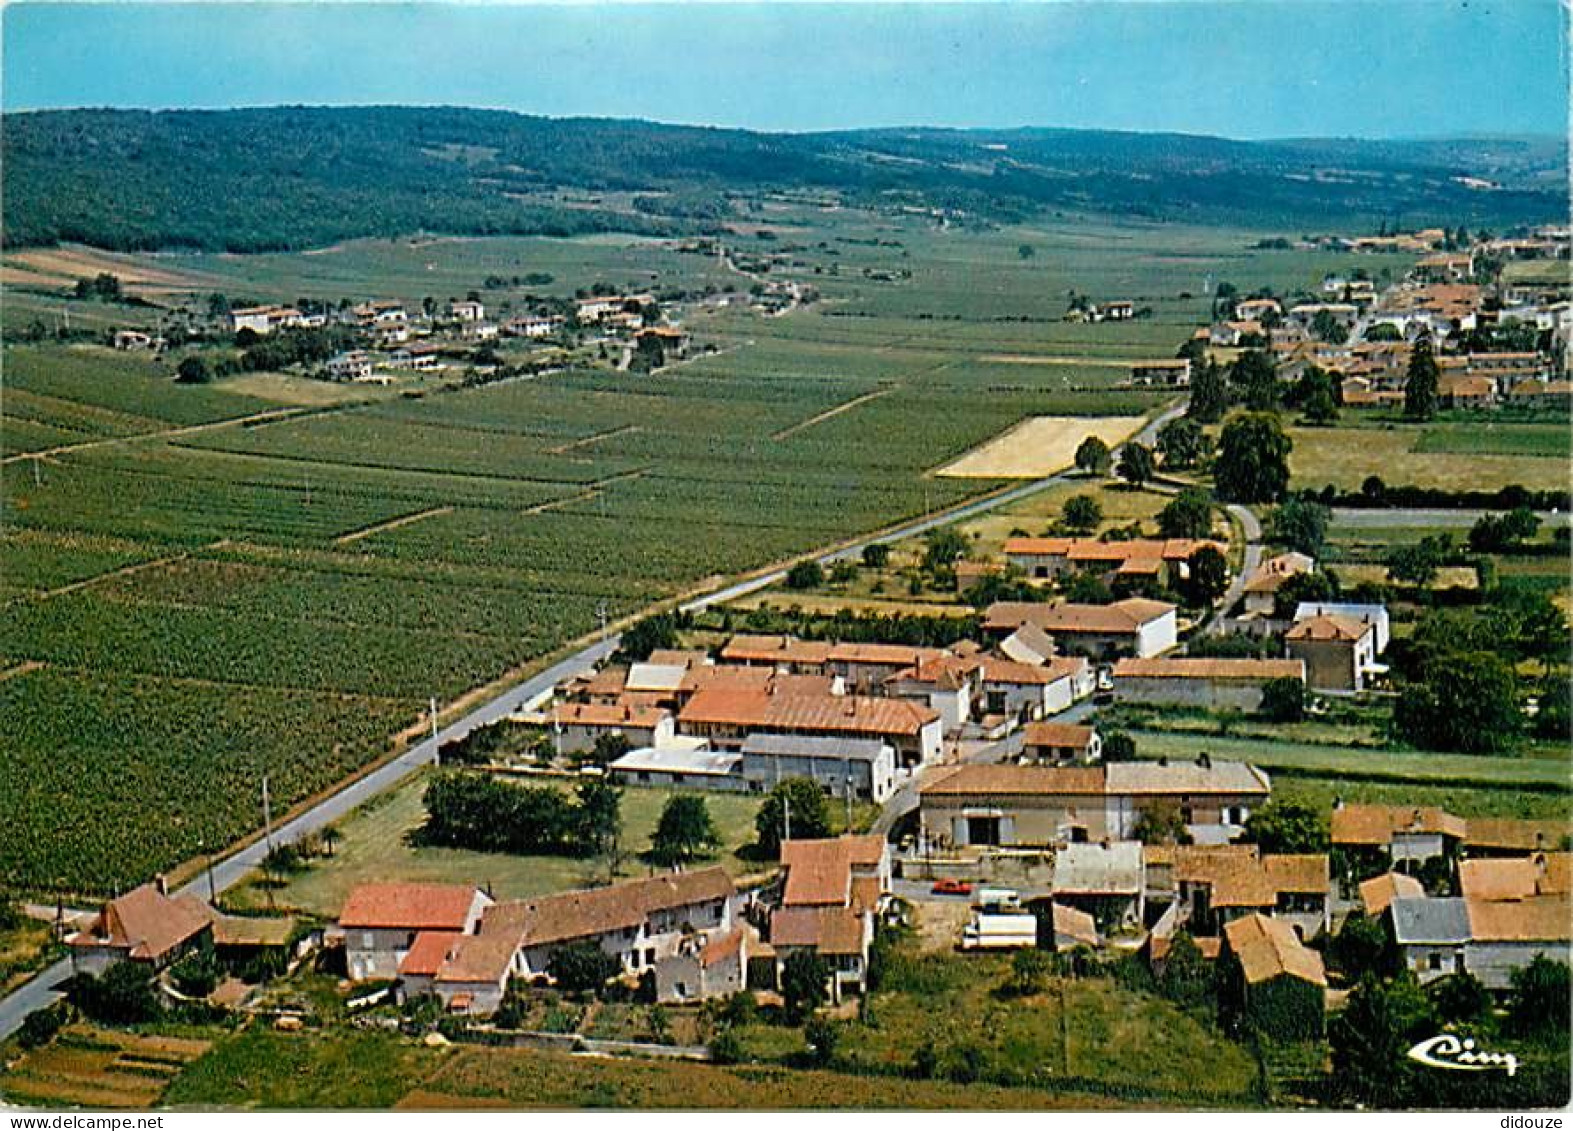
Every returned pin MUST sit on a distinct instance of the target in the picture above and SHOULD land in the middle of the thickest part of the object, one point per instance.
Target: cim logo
(1447, 1051)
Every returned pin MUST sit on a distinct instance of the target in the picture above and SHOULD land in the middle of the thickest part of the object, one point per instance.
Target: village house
(671, 341)
(145, 925)
(784, 653)
(134, 340)
(1378, 892)
(865, 667)
(712, 966)
(1403, 836)
(1134, 626)
(1160, 561)
(1487, 938)
(729, 718)
(1105, 881)
(1213, 885)
(466, 311)
(264, 319)
(979, 804)
(1055, 744)
(576, 726)
(1257, 309)
(1261, 587)
(353, 365)
(830, 893)
(1236, 333)
(948, 685)
(866, 766)
(1216, 683)
(380, 922)
(1510, 836)
(1170, 372)
(1496, 879)
(686, 763)
(1270, 982)
(532, 326)
(1338, 652)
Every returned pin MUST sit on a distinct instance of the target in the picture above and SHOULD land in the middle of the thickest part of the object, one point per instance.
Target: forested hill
(291, 177)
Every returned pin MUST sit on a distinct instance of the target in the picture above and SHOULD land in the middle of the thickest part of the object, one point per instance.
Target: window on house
(1434, 961)
(649, 956)
(367, 940)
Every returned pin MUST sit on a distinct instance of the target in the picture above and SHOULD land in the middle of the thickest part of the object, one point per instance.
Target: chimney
(161, 884)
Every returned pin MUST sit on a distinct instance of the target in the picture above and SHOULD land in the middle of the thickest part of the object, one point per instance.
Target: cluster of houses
(1512, 879)
(1443, 296)
(693, 934)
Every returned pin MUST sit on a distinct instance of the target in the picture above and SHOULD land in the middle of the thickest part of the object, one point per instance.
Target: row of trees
(477, 811)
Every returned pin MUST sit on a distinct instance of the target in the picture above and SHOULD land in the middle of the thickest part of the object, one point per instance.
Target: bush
(1284, 700)
(805, 575)
(197, 974)
(876, 555)
(123, 996)
(40, 1026)
(726, 1047)
(823, 1035)
(582, 966)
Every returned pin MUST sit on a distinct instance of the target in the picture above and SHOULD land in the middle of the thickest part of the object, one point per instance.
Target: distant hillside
(292, 177)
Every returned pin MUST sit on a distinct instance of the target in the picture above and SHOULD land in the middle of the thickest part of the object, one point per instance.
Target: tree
(1303, 587)
(1300, 523)
(1082, 514)
(1284, 700)
(803, 983)
(608, 747)
(1415, 564)
(822, 1035)
(1118, 746)
(645, 636)
(1466, 701)
(1025, 251)
(1371, 1037)
(1329, 327)
(1088, 588)
(1092, 456)
(1187, 978)
(1161, 822)
(197, 972)
(193, 370)
(1209, 393)
(685, 830)
(582, 966)
(123, 996)
(1499, 533)
(1460, 998)
(1029, 970)
(1420, 382)
(942, 548)
(807, 574)
(1188, 515)
(1361, 947)
(1181, 443)
(600, 817)
(1136, 464)
(1538, 1005)
(1280, 827)
(798, 800)
(876, 555)
(1207, 575)
(1253, 459)
(1255, 375)
(40, 1026)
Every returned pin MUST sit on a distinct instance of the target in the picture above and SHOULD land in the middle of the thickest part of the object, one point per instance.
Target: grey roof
(655, 677)
(1028, 644)
(1093, 869)
(1429, 921)
(678, 760)
(813, 746)
(1186, 777)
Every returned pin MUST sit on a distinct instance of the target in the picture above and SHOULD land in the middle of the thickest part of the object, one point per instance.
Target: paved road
(1252, 529)
(226, 873)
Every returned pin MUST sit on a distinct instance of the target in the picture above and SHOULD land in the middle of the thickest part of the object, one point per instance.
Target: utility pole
(600, 613)
(267, 815)
(436, 749)
(847, 788)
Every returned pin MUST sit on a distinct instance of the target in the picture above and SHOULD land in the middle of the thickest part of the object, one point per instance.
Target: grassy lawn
(1456, 457)
(376, 848)
(1078, 1034)
(1466, 801)
(342, 1069)
(22, 950)
(1540, 767)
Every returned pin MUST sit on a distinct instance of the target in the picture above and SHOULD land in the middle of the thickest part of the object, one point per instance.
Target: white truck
(1000, 932)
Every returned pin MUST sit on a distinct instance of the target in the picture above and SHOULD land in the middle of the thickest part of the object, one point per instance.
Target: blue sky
(1244, 68)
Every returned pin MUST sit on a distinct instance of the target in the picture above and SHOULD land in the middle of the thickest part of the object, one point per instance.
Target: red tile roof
(828, 930)
(1122, 618)
(428, 953)
(415, 907)
(146, 923)
(1267, 948)
(996, 780)
(827, 714)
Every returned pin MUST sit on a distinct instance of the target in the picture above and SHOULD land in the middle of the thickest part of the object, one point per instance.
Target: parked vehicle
(1002, 900)
(949, 886)
(1000, 932)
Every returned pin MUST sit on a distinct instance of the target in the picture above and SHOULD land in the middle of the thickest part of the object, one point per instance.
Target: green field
(1456, 456)
(376, 848)
(209, 583)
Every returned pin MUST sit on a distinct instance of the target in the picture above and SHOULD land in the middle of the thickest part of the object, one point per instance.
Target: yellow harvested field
(1038, 446)
(71, 263)
(284, 388)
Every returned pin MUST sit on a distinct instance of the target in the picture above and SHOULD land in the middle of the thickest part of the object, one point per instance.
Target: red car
(952, 887)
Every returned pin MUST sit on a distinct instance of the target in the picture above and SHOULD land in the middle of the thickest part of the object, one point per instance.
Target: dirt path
(585, 441)
(391, 524)
(1054, 359)
(846, 406)
(21, 669)
(127, 571)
